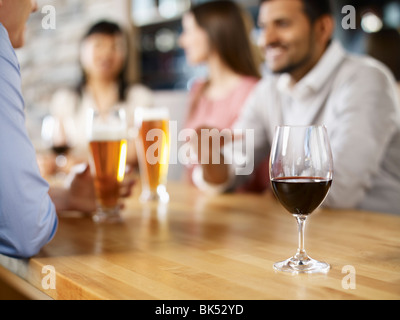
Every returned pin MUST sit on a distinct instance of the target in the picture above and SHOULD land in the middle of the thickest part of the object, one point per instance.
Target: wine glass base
(107, 216)
(294, 265)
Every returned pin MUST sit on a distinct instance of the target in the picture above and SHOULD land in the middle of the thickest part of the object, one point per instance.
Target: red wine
(301, 195)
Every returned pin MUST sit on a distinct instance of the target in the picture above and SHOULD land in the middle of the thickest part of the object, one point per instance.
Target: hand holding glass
(301, 171)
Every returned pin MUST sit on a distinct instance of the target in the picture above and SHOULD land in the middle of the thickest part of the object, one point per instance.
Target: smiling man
(312, 80)
(295, 35)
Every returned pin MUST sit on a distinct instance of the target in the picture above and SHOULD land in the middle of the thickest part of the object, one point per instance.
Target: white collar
(314, 80)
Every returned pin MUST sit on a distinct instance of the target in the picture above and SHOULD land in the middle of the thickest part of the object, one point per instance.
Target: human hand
(81, 192)
(208, 150)
(79, 187)
(128, 182)
(46, 163)
(207, 143)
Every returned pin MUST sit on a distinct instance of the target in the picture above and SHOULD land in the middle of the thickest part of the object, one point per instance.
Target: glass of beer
(108, 150)
(153, 148)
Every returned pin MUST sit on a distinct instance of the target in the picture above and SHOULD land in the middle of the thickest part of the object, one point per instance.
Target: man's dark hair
(314, 9)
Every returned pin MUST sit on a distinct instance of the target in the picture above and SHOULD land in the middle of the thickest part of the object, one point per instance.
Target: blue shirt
(28, 218)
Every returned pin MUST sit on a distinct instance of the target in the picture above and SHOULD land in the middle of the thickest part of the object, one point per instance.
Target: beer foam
(107, 133)
(150, 114)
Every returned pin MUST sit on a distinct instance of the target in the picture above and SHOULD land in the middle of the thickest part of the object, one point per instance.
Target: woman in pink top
(218, 112)
(215, 33)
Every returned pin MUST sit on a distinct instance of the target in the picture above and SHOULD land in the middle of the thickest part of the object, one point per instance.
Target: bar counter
(198, 247)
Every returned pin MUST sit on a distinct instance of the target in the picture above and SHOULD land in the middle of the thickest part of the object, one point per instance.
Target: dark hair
(314, 9)
(111, 29)
(224, 24)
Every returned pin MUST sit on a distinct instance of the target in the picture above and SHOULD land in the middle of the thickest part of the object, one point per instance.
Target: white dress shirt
(356, 99)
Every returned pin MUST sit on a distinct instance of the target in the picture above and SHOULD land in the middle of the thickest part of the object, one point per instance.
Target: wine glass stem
(301, 251)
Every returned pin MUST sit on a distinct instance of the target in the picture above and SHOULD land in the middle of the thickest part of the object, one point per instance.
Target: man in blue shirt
(28, 206)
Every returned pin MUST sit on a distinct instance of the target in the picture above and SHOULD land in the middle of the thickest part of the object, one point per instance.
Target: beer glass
(107, 133)
(153, 148)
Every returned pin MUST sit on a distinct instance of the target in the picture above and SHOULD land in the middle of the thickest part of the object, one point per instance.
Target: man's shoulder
(3, 33)
(364, 67)
(363, 77)
(5, 44)
(7, 53)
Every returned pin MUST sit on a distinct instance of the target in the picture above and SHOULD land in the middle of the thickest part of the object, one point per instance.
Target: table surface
(199, 248)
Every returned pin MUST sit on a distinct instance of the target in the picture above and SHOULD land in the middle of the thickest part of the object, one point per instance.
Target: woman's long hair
(228, 32)
(111, 29)
(224, 23)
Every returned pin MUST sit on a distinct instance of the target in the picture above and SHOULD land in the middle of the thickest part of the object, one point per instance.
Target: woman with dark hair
(216, 33)
(103, 60)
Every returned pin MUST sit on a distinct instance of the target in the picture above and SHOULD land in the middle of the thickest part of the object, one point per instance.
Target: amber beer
(153, 150)
(108, 162)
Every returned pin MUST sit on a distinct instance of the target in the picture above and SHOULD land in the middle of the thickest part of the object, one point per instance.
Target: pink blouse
(223, 113)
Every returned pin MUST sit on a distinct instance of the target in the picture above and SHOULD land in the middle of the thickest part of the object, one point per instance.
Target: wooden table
(200, 248)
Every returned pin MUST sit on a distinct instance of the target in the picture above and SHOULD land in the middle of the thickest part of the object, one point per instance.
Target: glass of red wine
(301, 172)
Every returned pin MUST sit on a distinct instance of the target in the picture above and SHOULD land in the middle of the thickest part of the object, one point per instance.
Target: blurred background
(49, 60)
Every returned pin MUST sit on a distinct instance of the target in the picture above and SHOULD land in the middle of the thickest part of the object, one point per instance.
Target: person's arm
(237, 160)
(77, 194)
(212, 161)
(364, 122)
(28, 218)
